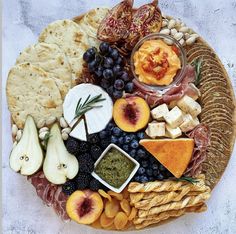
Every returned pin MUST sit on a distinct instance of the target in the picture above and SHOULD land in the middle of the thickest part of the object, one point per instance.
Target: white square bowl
(96, 176)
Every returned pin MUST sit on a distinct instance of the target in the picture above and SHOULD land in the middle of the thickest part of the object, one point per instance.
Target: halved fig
(115, 25)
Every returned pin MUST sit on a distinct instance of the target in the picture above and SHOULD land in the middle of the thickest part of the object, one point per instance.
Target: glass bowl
(169, 41)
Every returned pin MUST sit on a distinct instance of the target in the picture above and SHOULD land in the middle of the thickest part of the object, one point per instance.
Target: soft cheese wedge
(27, 156)
(96, 119)
(59, 165)
(174, 154)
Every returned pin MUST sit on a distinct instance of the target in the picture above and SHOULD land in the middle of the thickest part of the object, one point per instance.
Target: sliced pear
(27, 156)
(59, 165)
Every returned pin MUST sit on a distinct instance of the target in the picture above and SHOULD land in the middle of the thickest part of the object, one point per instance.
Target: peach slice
(131, 114)
(84, 206)
(120, 220)
(96, 224)
(112, 208)
(105, 221)
(125, 206)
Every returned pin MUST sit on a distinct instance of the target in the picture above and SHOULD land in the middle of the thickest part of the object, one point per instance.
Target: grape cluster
(107, 66)
(150, 169)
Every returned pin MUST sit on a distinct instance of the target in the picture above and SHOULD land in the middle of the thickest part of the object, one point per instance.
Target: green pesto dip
(114, 168)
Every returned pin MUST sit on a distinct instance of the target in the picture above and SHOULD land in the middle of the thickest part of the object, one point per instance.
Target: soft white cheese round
(97, 118)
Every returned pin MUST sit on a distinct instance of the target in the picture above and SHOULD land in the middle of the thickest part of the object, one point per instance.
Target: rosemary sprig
(88, 104)
(188, 179)
(46, 138)
(197, 63)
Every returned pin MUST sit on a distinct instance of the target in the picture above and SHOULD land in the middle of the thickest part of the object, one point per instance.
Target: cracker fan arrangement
(122, 118)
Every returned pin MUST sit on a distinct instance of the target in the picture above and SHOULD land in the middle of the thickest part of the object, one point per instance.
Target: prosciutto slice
(201, 136)
(176, 92)
(51, 194)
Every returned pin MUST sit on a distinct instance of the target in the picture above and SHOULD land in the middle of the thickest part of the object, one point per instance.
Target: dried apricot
(96, 224)
(132, 214)
(105, 221)
(120, 220)
(118, 196)
(125, 206)
(104, 194)
(112, 208)
(125, 193)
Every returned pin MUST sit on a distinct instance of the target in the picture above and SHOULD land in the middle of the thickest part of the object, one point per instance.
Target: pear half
(59, 165)
(27, 156)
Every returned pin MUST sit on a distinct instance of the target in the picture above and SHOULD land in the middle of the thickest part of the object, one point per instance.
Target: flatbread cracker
(31, 90)
(90, 22)
(53, 60)
(72, 40)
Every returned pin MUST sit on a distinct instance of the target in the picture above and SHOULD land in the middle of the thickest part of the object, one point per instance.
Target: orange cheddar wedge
(174, 154)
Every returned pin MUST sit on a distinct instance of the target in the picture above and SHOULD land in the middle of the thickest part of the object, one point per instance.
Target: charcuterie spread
(120, 117)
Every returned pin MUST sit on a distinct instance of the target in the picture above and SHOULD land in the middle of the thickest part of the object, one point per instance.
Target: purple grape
(119, 84)
(117, 94)
(108, 62)
(129, 87)
(104, 47)
(108, 74)
(117, 69)
(105, 83)
(124, 76)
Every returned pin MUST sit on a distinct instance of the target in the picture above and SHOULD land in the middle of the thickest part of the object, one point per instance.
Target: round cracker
(72, 40)
(31, 90)
(53, 60)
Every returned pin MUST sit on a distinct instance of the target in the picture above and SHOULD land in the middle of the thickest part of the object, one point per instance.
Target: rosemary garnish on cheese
(87, 105)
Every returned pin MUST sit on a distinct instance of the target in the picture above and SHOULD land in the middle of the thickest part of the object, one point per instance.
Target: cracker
(72, 40)
(31, 90)
(53, 60)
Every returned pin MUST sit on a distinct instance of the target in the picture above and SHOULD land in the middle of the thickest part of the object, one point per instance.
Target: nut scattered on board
(42, 135)
(41, 123)
(178, 30)
(66, 130)
(18, 135)
(63, 123)
(64, 136)
(44, 129)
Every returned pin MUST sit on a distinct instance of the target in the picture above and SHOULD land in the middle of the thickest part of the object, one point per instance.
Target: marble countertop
(23, 211)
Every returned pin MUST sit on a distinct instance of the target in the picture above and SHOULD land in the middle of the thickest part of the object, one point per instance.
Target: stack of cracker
(160, 200)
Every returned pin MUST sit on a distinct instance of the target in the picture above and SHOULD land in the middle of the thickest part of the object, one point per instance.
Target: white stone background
(23, 211)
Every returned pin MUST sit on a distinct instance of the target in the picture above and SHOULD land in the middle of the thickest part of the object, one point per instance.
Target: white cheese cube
(188, 123)
(174, 117)
(172, 104)
(188, 105)
(196, 121)
(173, 132)
(196, 92)
(155, 129)
(159, 111)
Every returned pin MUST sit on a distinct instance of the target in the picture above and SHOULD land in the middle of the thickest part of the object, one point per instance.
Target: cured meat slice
(201, 136)
(51, 194)
(173, 94)
(146, 19)
(115, 25)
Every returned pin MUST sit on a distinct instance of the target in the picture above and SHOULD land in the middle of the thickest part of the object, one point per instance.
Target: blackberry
(95, 151)
(69, 187)
(86, 163)
(95, 185)
(83, 146)
(82, 180)
(93, 138)
(105, 142)
(72, 145)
